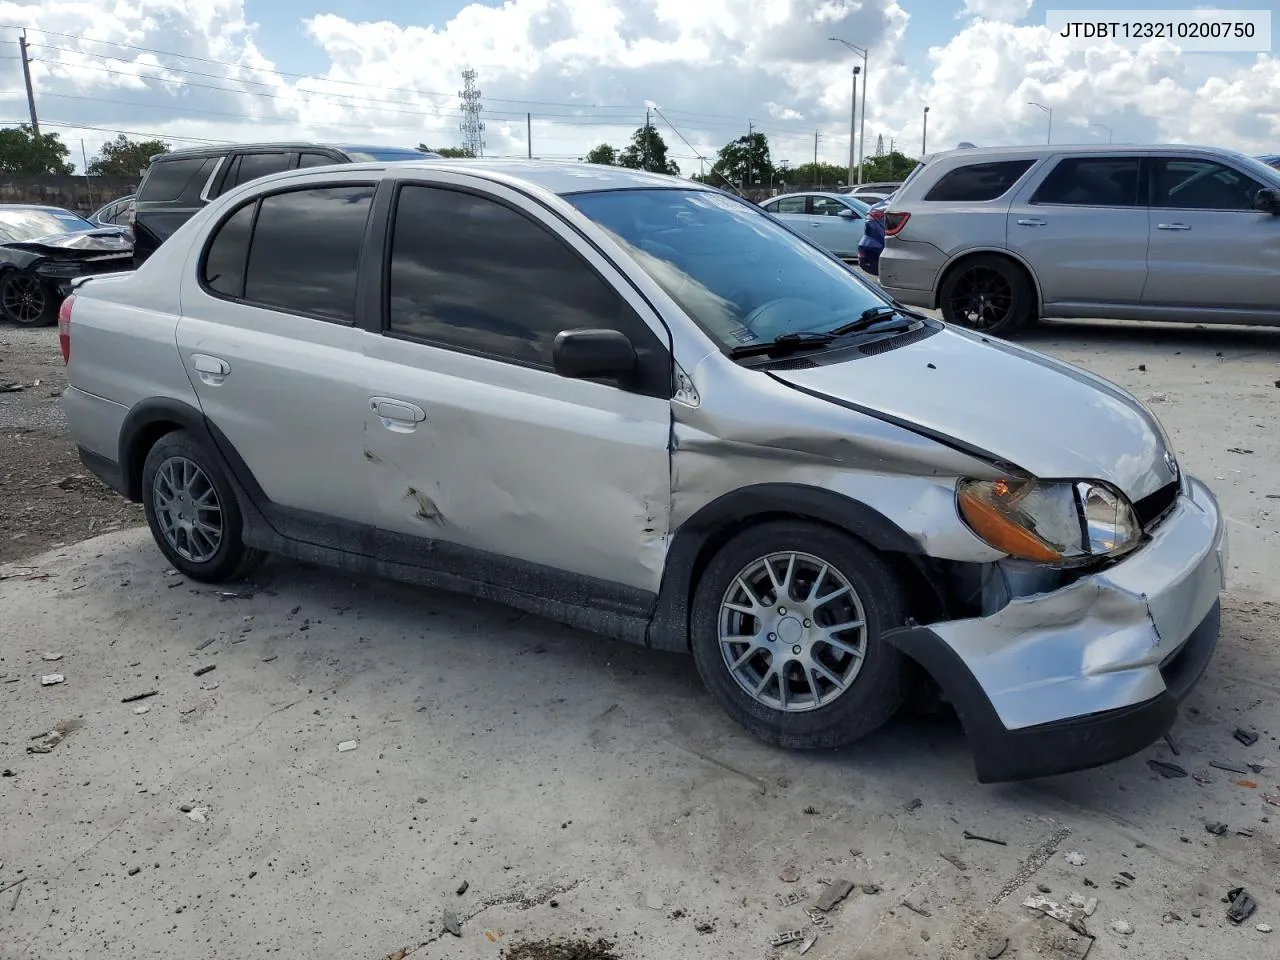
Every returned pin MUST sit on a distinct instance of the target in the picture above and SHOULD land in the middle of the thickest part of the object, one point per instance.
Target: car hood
(1006, 404)
(79, 242)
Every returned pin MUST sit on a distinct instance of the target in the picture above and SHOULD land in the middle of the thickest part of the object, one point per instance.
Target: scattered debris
(1247, 784)
(916, 909)
(140, 710)
(1259, 767)
(1274, 801)
(1238, 450)
(1076, 859)
(705, 928)
(203, 670)
(452, 924)
(1247, 737)
(462, 887)
(811, 811)
(209, 685)
(996, 947)
(1217, 829)
(1122, 927)
(198, 815)
(789, 874)
(1201, 777)
(134, 871)
(789, 899)
(347, 746)
(1172, 917)
(808, 944)
(1043, 888)
(1218, 764)
(186, 807)
(493, 936)
(786, 937)
(53, 678)
(1240, 905)
(870, 889)
(206, 643)
(51, 739)
(233, 595)
(1168, 770)
(817, 918)
(139, 696)
(837, 891)
(915, 805)
(601, 949)
(1142, 368)
(1173, 747)
(270, 658)
(1080, 903)
(954, 861)
(51, 657)
(1263, 928)
(974, 836)
(1071, 916)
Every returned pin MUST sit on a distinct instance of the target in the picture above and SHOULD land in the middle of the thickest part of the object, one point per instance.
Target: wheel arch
(1004, 253)
(700, 537)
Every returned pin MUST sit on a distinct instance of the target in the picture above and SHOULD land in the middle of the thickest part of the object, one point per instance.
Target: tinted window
(492, 282)
(225, 261)
(251, 166)
(315, 160)
(979, 181)
(790, 205)
(1092, 182)
(306, 250)
(1201, 185)
(174, 179)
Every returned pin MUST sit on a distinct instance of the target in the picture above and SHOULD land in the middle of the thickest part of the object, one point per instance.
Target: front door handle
(1172, 226)
(397, 415)
(1032, 222)
(211, 370)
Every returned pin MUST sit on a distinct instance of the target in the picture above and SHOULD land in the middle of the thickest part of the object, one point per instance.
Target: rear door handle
(1032, 222)
(211, 370)
(397, 415)
(1172, 226)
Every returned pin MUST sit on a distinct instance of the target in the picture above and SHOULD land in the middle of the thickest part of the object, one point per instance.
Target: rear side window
(979, 181)
(1091, 182)
(176, 179)
(315, 160)
(301, 253)
(251, 166)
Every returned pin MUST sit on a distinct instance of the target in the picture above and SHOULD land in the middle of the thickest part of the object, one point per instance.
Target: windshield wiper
(784, 344)
(869, 317)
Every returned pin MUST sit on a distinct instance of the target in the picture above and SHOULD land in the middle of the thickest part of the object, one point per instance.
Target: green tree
(604, 154)
(743, 162)
(123, 157)
(452, 153)
(805, 177)
(892, 168)
(21, 151)
(648, 151)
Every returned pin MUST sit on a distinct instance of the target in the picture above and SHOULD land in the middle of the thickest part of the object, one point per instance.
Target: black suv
(178, 184)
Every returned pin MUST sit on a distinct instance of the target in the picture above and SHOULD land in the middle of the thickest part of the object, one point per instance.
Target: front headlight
(1049, 521)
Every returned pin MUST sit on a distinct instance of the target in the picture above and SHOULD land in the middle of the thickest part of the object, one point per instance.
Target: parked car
(997, 238)
(178, 184)
(1271, 160)
(882, 189)
(829, 219)
(871, 199)
(117, 213)
(42, 249)
(645, 407)
(872, 243)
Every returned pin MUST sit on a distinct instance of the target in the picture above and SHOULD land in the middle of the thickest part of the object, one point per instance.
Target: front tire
(787, 629)
(988, 294)
(193, 513)
(27, 300)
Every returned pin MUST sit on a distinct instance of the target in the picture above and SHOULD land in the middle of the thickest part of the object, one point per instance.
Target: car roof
(813, 193)
(556, 176)
(1099, 148)
(214, 150)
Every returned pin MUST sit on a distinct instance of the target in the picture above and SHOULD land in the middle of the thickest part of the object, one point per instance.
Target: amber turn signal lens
(988, 521)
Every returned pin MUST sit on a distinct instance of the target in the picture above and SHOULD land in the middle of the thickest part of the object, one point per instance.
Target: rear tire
(988, 294)
(801, 681)
(193, 512)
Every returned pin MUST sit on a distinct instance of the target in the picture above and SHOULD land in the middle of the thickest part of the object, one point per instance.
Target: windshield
(19, 224)
(737, 273)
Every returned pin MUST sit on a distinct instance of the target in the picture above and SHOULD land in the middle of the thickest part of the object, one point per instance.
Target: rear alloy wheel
(989, 295)
(193, 513)
(786, 631)
(26, 300)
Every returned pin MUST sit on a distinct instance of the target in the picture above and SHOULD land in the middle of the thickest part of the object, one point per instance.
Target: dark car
(1271, 160)
(180, 183)
(42, 249)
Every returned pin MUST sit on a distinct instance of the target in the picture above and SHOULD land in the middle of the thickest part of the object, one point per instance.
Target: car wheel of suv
(26, 301)
(786, 632)
(988, 294)
(193, 512)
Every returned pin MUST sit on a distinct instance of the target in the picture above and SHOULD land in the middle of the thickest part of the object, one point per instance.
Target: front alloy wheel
(25, 301)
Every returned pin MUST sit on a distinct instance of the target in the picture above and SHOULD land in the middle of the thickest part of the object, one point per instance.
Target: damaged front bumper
(1093, 672)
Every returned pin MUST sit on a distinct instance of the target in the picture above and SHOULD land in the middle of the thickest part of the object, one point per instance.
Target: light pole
(924, 136)
(1048, 136)
(1103, 126)
(853, 121)
(863, 126)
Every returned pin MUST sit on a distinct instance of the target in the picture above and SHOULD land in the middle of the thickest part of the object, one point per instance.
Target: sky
(576, 73)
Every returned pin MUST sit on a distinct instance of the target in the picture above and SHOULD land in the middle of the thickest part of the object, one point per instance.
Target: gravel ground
(47, 497)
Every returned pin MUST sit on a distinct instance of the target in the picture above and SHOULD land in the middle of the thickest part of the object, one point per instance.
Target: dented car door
(471, 437)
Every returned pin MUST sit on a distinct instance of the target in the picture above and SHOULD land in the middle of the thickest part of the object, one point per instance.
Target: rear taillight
(876, 214)
(894, 221)
(64, 327)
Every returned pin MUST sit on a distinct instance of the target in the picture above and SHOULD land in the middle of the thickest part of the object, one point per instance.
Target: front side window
(471, 274)
(827, 207)
(1200, 185)
(1091, 182)
(303, 255)
(738, 274)
(976, 182)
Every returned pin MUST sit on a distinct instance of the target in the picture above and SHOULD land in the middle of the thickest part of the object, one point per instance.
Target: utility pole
(924, 137)
(853, 124)
(815, 159)
(26, 75)
(528, 133)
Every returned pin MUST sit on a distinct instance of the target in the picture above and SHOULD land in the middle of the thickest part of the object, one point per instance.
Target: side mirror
(847, 214)
(593, 354)
(1267, 199)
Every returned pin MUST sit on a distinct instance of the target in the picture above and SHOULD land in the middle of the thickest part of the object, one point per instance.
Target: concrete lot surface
(584, 788)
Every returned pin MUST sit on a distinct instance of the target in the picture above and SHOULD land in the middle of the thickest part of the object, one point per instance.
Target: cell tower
(880, 145)
(472, 127)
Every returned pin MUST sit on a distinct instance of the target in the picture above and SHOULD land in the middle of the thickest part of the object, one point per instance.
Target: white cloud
(1009, 11)
(585, 69)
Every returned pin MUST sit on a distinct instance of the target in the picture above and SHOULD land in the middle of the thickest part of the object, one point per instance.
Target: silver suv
(997, 238)
(647, 408)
